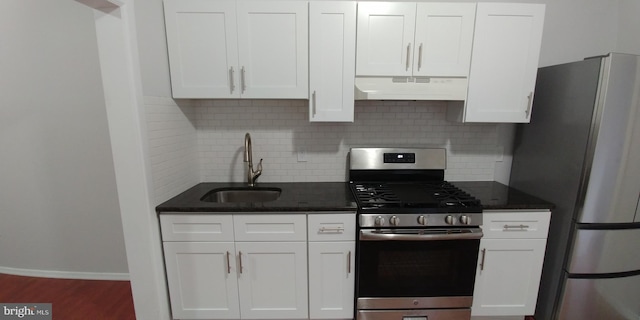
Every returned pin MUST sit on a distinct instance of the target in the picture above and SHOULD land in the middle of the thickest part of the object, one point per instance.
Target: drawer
(270, 227)
(196, 227)
(332, 227)
(515, 224)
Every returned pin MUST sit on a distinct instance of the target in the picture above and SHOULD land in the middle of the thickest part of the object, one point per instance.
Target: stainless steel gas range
(418, 236)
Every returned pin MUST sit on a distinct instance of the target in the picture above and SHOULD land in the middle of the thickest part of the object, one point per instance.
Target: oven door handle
(371, 235)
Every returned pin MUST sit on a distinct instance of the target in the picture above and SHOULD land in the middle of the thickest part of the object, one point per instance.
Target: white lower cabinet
(272, 280)
(260, 266)
(509, 264)
(331, 266)
(202, 280)
(241, 266)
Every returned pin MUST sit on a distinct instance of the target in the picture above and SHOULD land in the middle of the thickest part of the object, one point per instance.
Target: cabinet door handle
(349, 262)
(242, 80)
(408, 55)
(484, 254)
(529, 104)
(420, 57)
(231, 80)
(313, 101)
(240, 259)
(228, 263)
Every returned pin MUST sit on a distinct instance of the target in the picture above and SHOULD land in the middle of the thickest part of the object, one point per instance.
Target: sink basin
(242, 194)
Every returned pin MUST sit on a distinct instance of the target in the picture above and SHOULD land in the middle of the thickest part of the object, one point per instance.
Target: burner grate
(429, 194)
(376, 194)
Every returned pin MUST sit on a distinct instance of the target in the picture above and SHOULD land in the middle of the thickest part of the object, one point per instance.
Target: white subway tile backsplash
(172, 146)
(280, 128)
(203, 140)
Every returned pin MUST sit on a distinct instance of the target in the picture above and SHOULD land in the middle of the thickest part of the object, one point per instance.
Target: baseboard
(65, 274)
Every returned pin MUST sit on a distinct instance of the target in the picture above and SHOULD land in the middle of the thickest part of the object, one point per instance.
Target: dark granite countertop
(495, 196)
(295, 197)
(336, 196)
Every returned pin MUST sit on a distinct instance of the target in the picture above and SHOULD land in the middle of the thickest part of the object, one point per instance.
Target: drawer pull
(521, 227)
(331, 230)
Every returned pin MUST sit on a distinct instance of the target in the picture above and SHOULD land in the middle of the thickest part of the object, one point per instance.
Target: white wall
(58, 200)
(628, 40)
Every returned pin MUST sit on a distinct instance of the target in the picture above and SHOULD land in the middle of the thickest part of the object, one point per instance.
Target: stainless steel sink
(242, 194)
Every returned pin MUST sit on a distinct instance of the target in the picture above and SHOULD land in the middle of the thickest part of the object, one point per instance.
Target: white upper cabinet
(237, 49)
(409, 39)
(506, 48)
(444, 34)
(385, 38)
(332, 60)
(203, 48)
(273, 49)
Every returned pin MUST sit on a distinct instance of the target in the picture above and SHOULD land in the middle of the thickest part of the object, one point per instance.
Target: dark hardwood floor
(74, 299)
(71, 299)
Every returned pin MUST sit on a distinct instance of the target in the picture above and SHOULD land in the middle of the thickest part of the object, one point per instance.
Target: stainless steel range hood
(411, 88)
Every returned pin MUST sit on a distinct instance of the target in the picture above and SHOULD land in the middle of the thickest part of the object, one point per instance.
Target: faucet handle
(259, 167)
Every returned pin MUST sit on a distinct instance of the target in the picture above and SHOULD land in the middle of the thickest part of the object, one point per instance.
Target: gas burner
(375, 194)
(433, 196)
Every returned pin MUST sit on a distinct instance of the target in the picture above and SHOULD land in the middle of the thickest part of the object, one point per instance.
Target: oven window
(417, 268)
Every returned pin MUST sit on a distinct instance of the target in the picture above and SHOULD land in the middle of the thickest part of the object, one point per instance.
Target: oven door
(417, 268)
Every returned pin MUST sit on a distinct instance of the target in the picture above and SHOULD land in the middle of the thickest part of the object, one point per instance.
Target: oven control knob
(394, 221)
(422, 220)
(465, 219)
(379, 221)
(449, 219)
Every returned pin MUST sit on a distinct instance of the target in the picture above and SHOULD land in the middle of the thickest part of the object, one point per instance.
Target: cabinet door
(443, 38)
(385, 38)
(332, 59)
(202, 280)
(508, 277)
(331, 279)
(203, 50)
(273, 280)
(273, 46)
(506, 47)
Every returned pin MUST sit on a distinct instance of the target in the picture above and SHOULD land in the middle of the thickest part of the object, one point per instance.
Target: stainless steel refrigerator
(581, 151)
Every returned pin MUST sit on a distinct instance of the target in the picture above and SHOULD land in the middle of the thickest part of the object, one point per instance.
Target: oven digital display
(399, 158)
(414, 318)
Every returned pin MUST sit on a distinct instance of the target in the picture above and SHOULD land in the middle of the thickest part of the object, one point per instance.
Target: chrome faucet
(252, 176)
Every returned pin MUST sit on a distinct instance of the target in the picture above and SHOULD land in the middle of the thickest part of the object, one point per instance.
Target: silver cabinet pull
(349, 262)
(313, 101)
(420, 57)
(331, 230)
(240, 259)
(231, 80)
(521, 227)
(242, 80)
(228, 263)
(529, 104)
(484, 254)
(408, 55)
